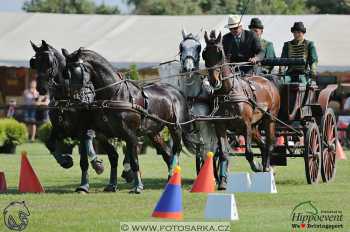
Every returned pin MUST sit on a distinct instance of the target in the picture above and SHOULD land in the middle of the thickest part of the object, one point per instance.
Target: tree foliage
(183, 7)
(329, 7)
(69, 7)
(193, 7)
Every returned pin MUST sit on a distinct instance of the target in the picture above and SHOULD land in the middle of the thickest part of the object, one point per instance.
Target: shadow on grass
(291, 182)
(149, 184)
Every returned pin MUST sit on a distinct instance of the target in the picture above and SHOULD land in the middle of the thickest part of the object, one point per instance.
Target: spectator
(31, 97)
(11, 108)
(42, 115)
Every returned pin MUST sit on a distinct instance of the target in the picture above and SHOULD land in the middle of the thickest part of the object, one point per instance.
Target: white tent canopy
(149, 40)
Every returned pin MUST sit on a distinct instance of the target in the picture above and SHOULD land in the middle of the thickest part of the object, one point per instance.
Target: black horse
(69, 121)
(122, 106)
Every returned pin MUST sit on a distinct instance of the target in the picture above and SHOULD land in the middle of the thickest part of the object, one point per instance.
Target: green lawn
(61, 209)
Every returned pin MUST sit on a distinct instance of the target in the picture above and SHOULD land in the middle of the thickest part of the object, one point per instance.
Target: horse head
(87, 69)
(47, 62)
(213, 55)
(78, 76)
(190, 48)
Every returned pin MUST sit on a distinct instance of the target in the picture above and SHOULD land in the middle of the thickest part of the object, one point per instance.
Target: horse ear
(35, 48)
(206, 37)
(65, 52)
(183, 33)
(44, 44)
(218, 39)
(79, 52)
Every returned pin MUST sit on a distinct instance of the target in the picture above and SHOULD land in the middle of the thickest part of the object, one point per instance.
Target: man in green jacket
(257, 27)
(299, 47)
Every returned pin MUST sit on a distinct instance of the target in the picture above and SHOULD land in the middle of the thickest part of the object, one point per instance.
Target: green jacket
(306, 50)
(269, 52)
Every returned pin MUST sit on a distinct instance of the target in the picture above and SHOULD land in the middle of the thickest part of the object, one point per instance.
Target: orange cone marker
(340, 154)
(205, 182)
(170, 203)
(3, 186)
(28, 180)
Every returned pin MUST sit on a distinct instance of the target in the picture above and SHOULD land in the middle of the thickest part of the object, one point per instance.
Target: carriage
(306, 124)
(306, 127)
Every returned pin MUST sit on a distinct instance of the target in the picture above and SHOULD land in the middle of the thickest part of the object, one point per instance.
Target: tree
(105, 9)
(165, 7)
(68, 7)
(329, 7)
(181, 7)
(276, 7)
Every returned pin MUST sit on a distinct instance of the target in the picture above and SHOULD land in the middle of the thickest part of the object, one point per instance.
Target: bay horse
(254, 101)
(50, 66)
(117, 118)
(197, 90)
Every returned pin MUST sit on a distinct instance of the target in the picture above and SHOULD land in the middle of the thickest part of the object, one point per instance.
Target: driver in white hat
(241, 45)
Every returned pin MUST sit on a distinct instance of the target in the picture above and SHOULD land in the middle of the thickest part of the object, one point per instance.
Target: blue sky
(16, 5)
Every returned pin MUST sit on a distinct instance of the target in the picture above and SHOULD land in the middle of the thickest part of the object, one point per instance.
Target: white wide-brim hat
(233, 21)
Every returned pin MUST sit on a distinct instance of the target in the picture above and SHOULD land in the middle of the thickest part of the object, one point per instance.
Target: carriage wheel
(312, 154)
(329, 144)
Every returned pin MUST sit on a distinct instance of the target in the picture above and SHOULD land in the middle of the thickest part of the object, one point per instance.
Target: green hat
(256, 23)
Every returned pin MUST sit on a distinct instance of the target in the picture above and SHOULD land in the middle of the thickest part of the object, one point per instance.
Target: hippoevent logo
(306, 216)
(16, 216)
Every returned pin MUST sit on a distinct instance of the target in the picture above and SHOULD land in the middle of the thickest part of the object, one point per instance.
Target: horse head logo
(16, 216)
(306, 207)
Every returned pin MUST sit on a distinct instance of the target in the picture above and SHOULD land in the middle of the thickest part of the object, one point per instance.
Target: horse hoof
(136, 190)
(128, 176)
(110, 188)
(97, 165)
(82, 190)
(222, 184)
(66, 162)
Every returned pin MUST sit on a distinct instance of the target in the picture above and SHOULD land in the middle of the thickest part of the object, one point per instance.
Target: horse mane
(95, 59)
(61, 64)
(190, 36)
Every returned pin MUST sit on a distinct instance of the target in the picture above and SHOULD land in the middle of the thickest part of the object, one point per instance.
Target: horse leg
(55, 145)
(261, 144)
(176, 135)
(96, 163)
(223, 153)
(113, 160)
(127, 173)
(248, 144)
(131, 152)
(269, 145)
(64, 160)
(162, 149)
(84, 166)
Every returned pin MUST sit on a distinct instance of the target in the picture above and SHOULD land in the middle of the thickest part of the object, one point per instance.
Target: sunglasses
(234, 28)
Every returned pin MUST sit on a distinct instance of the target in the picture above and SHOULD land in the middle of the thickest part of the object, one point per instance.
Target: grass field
(61, 209)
